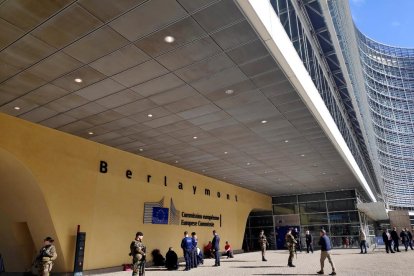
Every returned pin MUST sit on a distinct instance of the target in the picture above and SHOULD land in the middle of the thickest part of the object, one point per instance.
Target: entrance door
(281, 234)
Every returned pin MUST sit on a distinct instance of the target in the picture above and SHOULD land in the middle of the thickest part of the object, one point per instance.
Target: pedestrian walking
(395, 239)
(362, 241)
(386, 238)
(325, 244)
(263, 244)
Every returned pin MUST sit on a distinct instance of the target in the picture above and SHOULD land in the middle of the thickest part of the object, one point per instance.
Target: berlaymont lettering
(104, 168)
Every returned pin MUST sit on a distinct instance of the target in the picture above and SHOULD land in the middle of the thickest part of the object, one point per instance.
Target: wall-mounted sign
(104, 168)
(156, 213)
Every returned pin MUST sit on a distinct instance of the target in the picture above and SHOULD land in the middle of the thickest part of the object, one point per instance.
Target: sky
(387, 21)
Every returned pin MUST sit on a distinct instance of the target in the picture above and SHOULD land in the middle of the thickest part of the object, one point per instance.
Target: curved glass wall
(373, 106)
(389, 86)
(383, 82)
(318, 57)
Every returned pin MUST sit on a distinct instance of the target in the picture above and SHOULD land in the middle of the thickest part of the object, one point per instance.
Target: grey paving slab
(347, 262)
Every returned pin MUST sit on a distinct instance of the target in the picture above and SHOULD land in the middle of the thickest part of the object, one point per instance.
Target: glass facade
(336, 212)
(383, 77)
(257, 221)
(368, 87)
(300, 21)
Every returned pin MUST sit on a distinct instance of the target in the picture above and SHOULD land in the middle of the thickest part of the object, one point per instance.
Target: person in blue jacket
(216, 247)
(187, 246)
(325, 244)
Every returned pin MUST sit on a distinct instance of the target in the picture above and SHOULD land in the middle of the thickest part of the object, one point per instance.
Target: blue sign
(159, 215)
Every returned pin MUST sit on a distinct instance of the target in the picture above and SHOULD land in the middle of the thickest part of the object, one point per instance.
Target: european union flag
(159, 215)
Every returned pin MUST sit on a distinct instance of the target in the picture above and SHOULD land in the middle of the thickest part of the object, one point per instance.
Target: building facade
(367, 87)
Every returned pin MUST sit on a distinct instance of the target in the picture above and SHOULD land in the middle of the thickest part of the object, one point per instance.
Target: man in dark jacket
(325, 244)
(395, 238)
(309, 241)
(404, 238)
(386, 237)
(410, 238)
(216, 247)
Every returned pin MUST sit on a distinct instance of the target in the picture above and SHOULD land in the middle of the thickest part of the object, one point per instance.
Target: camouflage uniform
(263, 244)
(45, 259)
(291, 245)
(138, 258)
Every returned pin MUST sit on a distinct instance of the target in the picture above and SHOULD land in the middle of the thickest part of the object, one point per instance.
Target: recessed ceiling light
(90, 132)
(169, 39)
(264, 122)
(17, 107)
(78, 80)
(248, 164)
(302, 155)
(141, 149)
(229, 91)
(176, 161)
(324, 173)
(225, 152)
(224, 177)
(286, 141)
(203, 170)
(149, 115)
(195, 137)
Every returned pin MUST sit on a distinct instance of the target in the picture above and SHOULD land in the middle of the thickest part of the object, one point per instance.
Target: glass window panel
(345, 242)
(260, 213)
(313, 207)
(261, 221)
(285, 209)
(343, 217)
(311, 197)
(314, 218)
(315, 230)
(340, 194)
(342, 205)
(284, 199)
(345, 229)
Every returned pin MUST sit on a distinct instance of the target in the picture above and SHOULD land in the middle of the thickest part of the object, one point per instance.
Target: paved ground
(347, 262)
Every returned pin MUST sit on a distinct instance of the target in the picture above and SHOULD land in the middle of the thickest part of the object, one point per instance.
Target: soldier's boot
(264, 259)
(291, 265)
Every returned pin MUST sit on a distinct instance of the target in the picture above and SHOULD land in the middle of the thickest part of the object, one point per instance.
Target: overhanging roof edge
(268, 27)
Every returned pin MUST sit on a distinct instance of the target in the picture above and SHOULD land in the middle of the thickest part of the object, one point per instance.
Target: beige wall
(50, 183)
(399, 219)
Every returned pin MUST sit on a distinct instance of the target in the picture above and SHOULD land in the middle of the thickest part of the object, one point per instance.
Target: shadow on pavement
(260, 266)
(285, 274)
(235, 261)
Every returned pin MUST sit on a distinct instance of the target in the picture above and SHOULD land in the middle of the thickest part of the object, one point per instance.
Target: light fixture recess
(169, 39)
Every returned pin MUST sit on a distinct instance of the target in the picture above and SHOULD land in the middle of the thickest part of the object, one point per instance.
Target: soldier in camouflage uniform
(263, 244)
(291, 245)
(138, 255)
(47, 254)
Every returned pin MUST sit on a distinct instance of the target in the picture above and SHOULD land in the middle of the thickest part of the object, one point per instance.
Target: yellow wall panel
(68, 189)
